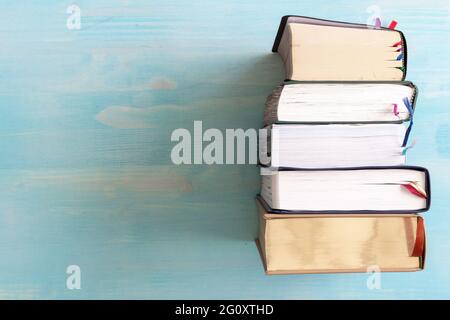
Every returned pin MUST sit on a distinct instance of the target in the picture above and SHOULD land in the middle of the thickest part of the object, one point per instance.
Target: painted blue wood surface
(85, 171)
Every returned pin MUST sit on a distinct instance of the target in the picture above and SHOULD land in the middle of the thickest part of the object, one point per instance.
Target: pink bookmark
(393, 24)
(396, 113)
(377, 23)
(415, 189)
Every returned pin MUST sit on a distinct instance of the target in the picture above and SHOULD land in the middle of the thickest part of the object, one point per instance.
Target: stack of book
(336, 195)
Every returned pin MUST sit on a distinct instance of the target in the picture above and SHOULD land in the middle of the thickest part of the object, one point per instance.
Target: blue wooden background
(85, 171)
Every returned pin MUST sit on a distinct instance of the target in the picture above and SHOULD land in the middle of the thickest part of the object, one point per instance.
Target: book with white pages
(341, 102)
(334, 145)
(362, 189)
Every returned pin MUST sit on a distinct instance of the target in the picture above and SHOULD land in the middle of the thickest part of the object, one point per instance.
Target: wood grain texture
(85, 171)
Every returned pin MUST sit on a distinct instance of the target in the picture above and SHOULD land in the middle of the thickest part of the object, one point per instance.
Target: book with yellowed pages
(317, 49)
(330, 243)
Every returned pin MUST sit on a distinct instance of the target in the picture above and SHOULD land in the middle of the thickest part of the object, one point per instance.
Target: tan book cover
(334, 243)
(340, 51)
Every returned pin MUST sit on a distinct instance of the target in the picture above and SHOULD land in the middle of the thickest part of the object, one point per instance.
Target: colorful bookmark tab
(393, 24)
(408, 147)
(400, 57)
(415, 189)
(377, 23)
(396, 113)
(419, 245)
(408, 106)
(397, 44)
(411, 113)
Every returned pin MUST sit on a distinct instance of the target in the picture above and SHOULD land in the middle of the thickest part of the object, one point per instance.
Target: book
(397, 189)
(339, 102)
(336, 195)
(318, 243)
(317, 49)
(334, 145)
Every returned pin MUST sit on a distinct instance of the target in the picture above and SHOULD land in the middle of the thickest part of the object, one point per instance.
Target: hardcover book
(331, 102)
(317, 49)
(327, 243)
(335, 145)
(335, 193)
(397, 189)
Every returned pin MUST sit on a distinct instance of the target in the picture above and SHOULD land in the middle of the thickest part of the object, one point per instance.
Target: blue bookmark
(408, 147)
(411, 112)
